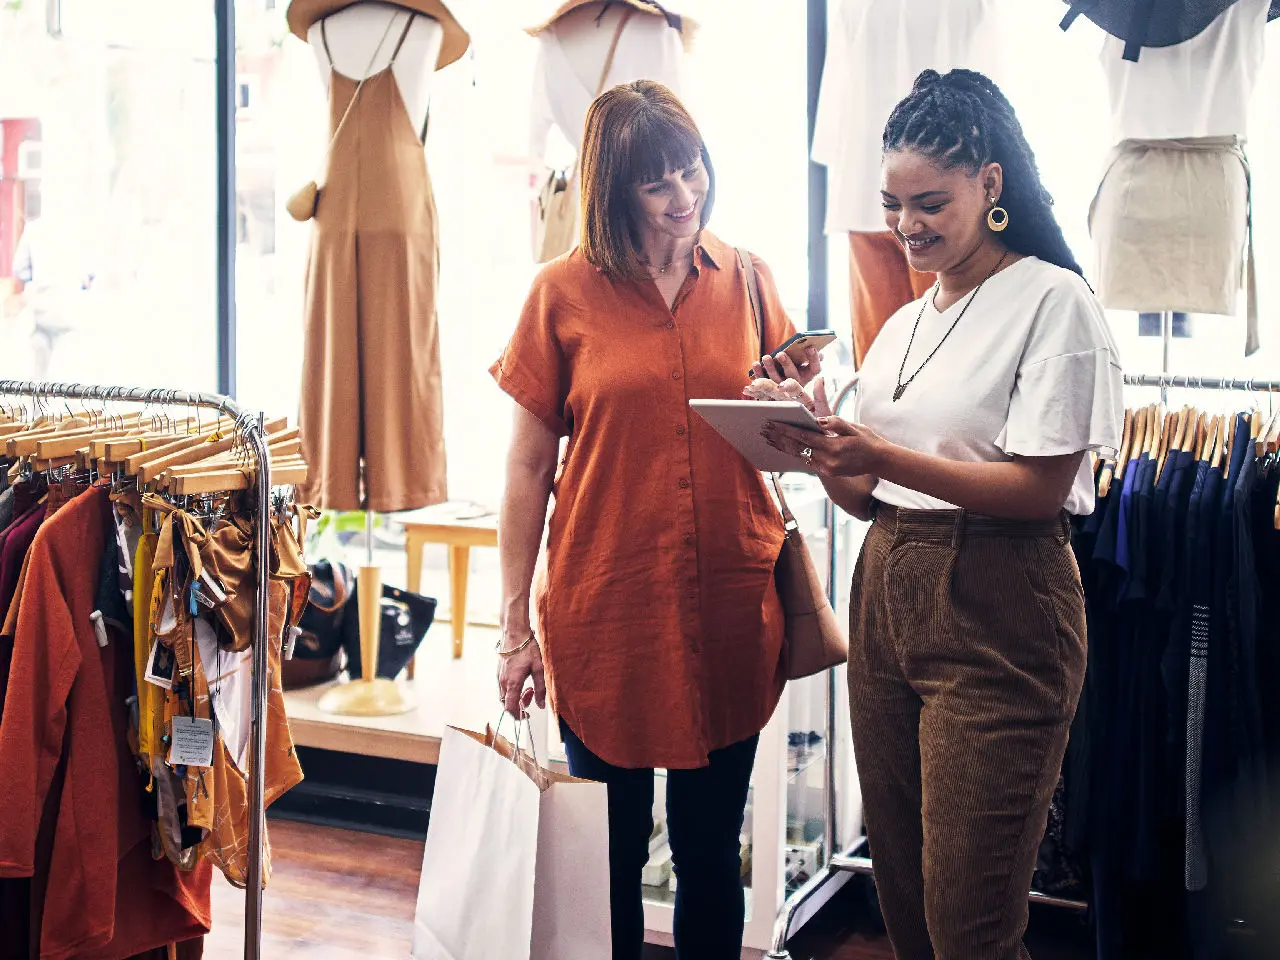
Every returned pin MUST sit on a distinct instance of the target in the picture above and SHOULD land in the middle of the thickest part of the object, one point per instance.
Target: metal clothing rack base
(252, 430)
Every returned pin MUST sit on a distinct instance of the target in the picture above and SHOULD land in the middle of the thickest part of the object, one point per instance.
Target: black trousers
(704, 821)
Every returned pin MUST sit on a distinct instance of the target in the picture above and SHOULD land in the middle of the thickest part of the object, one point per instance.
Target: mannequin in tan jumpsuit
(371, 410)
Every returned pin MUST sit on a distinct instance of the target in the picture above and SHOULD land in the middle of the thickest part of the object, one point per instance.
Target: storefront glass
(107, 192)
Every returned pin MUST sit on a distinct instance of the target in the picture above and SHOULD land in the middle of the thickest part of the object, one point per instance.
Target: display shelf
(447, 691)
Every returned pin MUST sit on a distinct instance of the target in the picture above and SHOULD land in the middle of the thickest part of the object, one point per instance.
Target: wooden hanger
(286, 470)
(1136, 440)
(117, 450)
(1110, 467)
(1213, 432)
(1155, 426)
(1207, 437)
(282, 444)
(24, 444)
(1166, 440)
(12, 429)
(1195, 434)
(65, 446)
(1180, 433)
(1269, 439)
(149, 465)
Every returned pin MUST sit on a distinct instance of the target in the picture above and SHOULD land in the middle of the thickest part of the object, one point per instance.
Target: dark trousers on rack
(705, 810)
(966, 660)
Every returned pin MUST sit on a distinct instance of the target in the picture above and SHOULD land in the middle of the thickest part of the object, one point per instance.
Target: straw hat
(303, 14)
(686, 25)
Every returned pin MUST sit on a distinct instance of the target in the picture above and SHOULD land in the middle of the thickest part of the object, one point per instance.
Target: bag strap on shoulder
(753, 292)
(757, 314)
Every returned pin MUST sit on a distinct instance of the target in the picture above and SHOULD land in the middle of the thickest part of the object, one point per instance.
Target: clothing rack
(1166, 381)
(252, 430)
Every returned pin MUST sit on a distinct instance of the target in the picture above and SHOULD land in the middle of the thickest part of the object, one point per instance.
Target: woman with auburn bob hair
(659, 629)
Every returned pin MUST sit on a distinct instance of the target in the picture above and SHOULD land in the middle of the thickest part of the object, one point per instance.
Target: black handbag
(318, 650)
(406, 618)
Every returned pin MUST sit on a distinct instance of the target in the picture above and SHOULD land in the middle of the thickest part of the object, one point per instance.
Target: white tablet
(740, 422)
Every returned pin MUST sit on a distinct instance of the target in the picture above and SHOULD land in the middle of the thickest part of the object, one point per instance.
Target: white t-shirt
(1199, 88)
(875, 51)
(1031, 370)
(648, 49)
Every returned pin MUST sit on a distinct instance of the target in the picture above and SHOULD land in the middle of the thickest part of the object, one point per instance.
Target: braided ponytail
(963, 120)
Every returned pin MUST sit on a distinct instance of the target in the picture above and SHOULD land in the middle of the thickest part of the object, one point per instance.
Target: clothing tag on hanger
(200, 598)
(160, 666)
(99, 629)
(192, 742)
(291, 641)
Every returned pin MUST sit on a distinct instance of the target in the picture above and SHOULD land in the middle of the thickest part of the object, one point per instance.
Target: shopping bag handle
(515, 744)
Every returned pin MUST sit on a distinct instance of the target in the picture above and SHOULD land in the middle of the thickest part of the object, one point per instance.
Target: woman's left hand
(781, 367)
(844, 449)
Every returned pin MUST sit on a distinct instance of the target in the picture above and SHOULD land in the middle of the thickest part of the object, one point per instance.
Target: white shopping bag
(516, 865)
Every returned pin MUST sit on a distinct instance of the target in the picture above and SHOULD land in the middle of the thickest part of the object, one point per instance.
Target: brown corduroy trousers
(966, 661)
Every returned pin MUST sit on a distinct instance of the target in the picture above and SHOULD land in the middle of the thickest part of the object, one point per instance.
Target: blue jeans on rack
(705, 810)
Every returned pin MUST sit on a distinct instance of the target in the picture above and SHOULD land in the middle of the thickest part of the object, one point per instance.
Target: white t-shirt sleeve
(1068, 396)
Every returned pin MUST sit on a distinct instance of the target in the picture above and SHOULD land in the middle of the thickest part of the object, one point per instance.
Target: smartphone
(797, 345)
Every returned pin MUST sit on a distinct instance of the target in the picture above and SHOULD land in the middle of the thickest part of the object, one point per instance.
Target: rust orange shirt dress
(660, 626)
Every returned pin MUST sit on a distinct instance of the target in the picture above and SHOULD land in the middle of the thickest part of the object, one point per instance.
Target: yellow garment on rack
(148, 693)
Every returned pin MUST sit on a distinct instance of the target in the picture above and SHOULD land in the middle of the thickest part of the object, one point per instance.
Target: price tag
(192, 742)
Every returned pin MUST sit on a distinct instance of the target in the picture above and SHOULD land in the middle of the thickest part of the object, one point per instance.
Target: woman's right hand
(514, 671)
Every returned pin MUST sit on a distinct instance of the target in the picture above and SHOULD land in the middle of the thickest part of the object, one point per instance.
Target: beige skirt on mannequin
(372, 407)
(1170, 225)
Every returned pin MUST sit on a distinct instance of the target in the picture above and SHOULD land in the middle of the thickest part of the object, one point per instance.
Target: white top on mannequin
(571, 54)
(1198, 88)
(875, 50)
(353, 34)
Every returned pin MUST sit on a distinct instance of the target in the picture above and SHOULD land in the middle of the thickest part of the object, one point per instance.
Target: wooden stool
(442, 524)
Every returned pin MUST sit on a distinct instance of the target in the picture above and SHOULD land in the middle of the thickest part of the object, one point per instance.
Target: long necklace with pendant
(901, 388)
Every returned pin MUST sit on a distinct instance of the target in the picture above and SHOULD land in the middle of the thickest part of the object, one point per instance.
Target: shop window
(113, 201)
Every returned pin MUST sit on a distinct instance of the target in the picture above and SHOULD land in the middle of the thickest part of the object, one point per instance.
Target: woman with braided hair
(976, 410)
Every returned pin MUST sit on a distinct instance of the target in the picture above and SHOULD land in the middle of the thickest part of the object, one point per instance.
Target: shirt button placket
(687, 576)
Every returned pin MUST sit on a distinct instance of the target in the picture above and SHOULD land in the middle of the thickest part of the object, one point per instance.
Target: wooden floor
(340, 895)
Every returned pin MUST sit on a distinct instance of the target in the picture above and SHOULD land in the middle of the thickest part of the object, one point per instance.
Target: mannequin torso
(573, 53)
(353, 34)
(586, 42)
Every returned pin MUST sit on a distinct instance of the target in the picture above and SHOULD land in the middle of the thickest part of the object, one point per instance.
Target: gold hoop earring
(997, 217)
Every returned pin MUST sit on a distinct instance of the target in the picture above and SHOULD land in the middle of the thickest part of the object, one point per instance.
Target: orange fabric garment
(880, 283)
(660, 625)
(66, 702)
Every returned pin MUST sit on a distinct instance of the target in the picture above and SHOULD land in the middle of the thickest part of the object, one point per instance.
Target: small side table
(448, 524)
